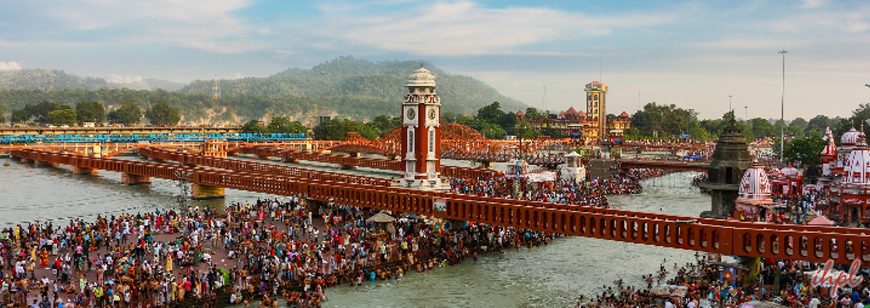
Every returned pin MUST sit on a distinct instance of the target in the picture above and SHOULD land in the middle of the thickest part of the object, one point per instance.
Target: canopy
(821, 221)
(381, 217)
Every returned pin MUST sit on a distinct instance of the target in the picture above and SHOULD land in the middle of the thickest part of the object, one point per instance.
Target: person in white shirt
(814, 303)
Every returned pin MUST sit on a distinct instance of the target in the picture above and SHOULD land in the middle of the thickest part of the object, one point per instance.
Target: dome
(421, 78)
(850, 137)
(754, 187)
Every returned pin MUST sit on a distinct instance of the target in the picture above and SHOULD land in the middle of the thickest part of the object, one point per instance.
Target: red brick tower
(421, 133)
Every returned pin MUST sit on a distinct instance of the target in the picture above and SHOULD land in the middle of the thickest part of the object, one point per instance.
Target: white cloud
(200, 24)
(122, 79)
(9, 66)
(238, 75)
(808, 4)
(464, 28)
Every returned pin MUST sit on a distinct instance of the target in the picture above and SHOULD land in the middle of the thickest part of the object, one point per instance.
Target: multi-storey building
(591, 126)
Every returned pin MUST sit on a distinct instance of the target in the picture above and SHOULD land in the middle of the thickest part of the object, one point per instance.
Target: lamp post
(782, 110)
(729, 104)
(745, 113)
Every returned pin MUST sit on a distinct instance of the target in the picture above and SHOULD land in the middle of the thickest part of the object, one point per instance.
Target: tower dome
(850, 137)
(421, 78)
(754, 187)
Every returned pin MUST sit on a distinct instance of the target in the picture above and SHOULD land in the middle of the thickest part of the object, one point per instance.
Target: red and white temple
(754, 202)
(854, 187)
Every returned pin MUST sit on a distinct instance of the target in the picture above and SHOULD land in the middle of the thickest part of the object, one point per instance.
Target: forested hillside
(349, 88)
(57, 80)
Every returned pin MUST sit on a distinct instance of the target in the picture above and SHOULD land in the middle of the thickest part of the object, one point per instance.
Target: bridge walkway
(815, 244)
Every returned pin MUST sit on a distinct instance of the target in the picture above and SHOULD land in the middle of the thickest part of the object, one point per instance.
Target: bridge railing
(261, 168)
(815, 244)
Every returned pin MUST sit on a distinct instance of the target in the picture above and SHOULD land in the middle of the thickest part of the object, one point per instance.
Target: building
(754, 202)
(421, 133)
(730, 160)
(854, 187)
(591, 126)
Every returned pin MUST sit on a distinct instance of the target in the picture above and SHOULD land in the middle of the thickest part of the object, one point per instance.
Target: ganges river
(553, 275)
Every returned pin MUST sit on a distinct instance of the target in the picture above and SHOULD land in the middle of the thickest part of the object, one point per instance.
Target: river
(553, 275)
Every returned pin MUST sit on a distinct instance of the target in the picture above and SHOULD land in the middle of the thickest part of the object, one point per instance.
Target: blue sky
(692, 54)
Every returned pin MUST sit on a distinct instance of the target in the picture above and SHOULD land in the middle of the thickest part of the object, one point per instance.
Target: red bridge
(816, 244)
(350, 161)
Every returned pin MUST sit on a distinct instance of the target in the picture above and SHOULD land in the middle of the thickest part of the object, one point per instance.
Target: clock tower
(421, 133)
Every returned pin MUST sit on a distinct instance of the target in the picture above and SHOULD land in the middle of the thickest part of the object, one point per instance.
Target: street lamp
(782, 110)
(729, 104)
(745, 113)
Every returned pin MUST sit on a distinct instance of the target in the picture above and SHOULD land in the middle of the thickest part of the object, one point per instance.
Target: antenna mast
(544, 98)
(216, 89)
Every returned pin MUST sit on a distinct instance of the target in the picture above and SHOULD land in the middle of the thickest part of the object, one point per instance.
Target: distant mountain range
(345, 87)
(58, 80)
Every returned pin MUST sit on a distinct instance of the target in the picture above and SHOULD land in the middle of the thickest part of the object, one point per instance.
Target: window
(411, 140)
(431, 140)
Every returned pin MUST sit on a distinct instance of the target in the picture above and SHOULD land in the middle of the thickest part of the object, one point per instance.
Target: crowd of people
(266, 248)
(566, 191)
(710, 283)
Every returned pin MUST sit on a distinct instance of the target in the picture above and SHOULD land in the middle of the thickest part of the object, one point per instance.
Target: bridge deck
(795, 242)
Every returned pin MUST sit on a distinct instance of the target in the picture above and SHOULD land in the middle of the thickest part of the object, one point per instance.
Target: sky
(695, 55)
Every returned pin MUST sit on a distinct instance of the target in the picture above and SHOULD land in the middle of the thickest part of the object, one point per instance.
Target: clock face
(432, 114)
(411, 114)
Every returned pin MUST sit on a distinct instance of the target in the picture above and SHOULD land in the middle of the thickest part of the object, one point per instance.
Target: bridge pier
(44, 163)
(83, 170)
(200, 191)
(346, 167)
(290, 160)
(133, 179)
(25, 160)
(266, 157)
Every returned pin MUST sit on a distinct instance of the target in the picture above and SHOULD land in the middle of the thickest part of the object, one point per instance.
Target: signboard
(440, 205)
(854, 200)
(575, 134)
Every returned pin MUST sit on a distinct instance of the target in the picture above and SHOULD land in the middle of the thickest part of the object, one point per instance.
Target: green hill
(350, 88)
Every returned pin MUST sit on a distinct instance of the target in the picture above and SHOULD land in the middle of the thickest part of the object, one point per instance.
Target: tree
(128, 114)
(163, 114)
(817, 126)
(698, 133)
(62, 117)
(20, 116)
(90, 112)
(385, 123)
(284, 125)
(253, 126)
(336, 129)
(524, 130)
(797, 127)
(2, 117)
(761, 128)
(490, 113)
(806, 150)
(533, 114)
(859, 115)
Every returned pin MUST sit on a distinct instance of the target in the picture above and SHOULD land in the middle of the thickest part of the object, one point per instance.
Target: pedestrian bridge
(815, 244)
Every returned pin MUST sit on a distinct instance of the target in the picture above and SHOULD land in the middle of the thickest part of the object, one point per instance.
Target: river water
(554, 275)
